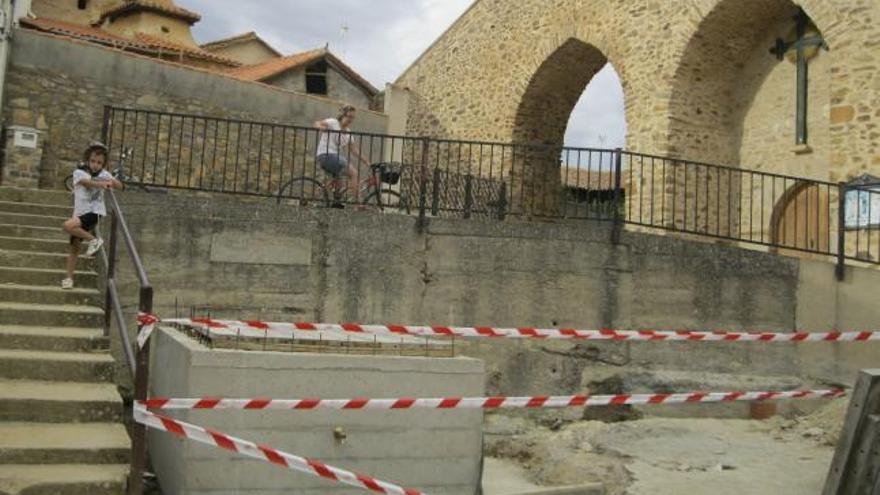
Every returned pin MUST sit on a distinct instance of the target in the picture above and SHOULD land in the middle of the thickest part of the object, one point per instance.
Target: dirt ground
(665, 456)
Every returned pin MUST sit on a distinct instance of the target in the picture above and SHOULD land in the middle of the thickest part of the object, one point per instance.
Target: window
(81, 4)
(316, 78)
(165, 29)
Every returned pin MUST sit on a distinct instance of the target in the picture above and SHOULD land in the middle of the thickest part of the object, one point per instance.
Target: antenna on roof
(343, 32)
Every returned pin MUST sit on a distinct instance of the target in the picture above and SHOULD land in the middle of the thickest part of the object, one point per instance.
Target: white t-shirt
(88, 199)
(333, 138)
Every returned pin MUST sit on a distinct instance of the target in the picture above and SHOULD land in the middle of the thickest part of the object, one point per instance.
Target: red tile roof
(142, 42)
(167, 8)
(240, 38)
(266, 70)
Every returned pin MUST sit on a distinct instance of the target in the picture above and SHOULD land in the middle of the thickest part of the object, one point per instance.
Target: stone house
(316, 72)
(157, 28)
(161, 29)
(246, 49)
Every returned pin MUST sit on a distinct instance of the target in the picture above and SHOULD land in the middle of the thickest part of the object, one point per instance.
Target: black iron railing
(137, 359)
(476, 179)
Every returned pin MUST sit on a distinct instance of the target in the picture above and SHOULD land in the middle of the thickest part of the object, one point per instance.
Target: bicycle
(333, 192)
(118, 173)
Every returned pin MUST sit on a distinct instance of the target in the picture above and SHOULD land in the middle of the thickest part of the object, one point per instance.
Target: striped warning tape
(486, 402)
(267, 454)
(285, 330)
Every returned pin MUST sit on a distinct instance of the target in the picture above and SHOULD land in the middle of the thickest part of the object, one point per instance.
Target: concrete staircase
(61, 429)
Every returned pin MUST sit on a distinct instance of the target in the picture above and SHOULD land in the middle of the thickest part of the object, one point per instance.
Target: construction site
(470, 305)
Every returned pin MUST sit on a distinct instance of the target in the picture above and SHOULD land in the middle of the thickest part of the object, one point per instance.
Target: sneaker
(67, 284)
(94, 245)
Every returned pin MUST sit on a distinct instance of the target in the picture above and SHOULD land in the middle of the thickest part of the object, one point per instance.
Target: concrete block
(436, 451)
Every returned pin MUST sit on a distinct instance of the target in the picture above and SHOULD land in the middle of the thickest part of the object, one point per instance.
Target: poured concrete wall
(434, 451)
(256, 259)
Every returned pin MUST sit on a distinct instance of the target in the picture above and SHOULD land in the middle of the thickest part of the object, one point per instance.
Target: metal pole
(141, 381)
(618, 171)
(111, 272)
(105, 128)
(840, 269)
(422, 221)
(468, 196)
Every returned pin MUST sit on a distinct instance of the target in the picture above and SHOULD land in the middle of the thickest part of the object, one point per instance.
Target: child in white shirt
(89, 182)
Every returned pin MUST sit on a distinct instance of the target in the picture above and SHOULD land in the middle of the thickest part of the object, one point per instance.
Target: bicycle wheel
(388, 200)
(68, 182)
(303, 191)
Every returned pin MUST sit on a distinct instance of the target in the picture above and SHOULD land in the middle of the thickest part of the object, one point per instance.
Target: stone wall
(698, 80)
(254, 259)
(60, 87)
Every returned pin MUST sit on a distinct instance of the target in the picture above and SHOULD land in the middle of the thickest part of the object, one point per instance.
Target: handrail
(138, 360)
(113, 296)
(129, 241)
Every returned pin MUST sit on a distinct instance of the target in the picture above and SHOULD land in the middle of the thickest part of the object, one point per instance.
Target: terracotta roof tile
(261, 72)
(142, 42)
(166, 45)
(167, 8)
(274, 67)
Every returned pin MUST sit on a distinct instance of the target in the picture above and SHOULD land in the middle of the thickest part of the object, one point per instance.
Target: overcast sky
(381, 38)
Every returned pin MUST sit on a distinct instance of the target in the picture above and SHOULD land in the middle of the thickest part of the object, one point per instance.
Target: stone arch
(733, 103)
(542, 116)
(708, 94)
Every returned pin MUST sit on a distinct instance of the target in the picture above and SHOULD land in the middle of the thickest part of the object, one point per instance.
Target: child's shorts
(88, 222)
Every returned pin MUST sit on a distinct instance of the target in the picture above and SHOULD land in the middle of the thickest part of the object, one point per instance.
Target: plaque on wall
(862, 203)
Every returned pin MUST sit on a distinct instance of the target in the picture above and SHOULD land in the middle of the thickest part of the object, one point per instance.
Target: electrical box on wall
(24, 137)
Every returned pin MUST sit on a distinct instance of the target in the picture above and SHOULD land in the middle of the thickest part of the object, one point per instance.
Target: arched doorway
(538, 171)
(801, 219)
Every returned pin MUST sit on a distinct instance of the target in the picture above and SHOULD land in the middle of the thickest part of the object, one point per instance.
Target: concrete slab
(54, 339)
(63, 479)
(435, 451)
(45, 443)
(58, 402)
(61, 366)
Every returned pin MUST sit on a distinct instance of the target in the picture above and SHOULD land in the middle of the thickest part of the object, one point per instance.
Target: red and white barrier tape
(239, 327)
(147, 323)
(268, 454)
(485, 402)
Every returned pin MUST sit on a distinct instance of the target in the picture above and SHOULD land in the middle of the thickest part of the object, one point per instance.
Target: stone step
(53, 261)
(44, 294)
(37, 208)
(53, 315)
(51, 233)
(57, 197)
(59, 402)
(59, 246)
(7, 218)
(63, 479)
(51, 443)
(45, 276)
(57, 366)
(54, 339)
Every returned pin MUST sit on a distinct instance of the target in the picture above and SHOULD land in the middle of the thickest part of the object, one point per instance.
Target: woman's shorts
(332, 163)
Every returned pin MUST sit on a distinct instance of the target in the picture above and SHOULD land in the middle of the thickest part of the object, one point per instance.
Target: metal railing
(490, 180)
(137, 359)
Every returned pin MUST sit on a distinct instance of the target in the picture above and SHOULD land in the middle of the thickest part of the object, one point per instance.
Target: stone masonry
(698, 81)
